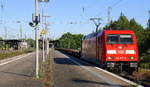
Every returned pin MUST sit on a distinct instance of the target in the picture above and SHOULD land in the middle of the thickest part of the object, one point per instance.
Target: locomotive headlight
(130, 51)
(110, 57)
(131, 57)
(111, 51)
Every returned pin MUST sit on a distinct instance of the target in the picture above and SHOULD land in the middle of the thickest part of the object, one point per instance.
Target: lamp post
(19, 22)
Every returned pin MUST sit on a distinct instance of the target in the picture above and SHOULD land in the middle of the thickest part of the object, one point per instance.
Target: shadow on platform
(95, 82)
(17, 74)
(67, 61)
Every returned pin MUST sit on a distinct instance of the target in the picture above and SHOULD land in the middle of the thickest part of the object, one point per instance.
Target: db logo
(120, 51)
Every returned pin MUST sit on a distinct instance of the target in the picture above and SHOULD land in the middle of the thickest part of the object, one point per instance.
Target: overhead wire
(112, 6)
(103, 11)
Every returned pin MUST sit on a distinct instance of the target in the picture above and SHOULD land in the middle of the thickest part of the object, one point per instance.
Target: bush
(15, 53)
(146, 59)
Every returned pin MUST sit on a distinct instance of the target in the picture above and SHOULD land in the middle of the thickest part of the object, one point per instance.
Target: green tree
(69, 40)
(146, 41)
(138, 29)
(1, 43)
(121, 24)
(31, 43)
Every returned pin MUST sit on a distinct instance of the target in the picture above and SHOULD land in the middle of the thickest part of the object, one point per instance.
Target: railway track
(76, 54)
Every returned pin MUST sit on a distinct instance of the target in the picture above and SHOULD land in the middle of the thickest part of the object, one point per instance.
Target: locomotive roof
(119, 31)
(96, 34)
(91, 35)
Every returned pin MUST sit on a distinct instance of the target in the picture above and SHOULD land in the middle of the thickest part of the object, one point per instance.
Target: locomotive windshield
(119, 39)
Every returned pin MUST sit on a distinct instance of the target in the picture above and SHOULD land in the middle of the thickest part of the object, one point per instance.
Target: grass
(142, 76)
(42, 73)
(15, 53)
(133, 85)
(145, 65)
(145, 62)
(46, 72)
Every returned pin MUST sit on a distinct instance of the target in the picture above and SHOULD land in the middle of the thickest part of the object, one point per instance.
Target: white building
(22, 45)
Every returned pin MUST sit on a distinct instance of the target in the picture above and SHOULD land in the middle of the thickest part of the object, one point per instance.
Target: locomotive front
(121, 50)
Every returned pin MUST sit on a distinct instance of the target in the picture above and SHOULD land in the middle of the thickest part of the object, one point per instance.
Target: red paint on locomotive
(114, 47)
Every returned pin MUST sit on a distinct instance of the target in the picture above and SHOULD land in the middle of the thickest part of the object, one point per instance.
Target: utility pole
(2, 9)
(5, 28)
(36, 38)
(47, 42)
(25, 36)
(43, 1)
(149, 20)
(109, 13)
(19, 22)
(97, 24)
(20, 31)
(5, 38)
(43, 28)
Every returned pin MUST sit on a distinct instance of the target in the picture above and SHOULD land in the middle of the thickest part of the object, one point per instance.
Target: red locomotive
(111, 49)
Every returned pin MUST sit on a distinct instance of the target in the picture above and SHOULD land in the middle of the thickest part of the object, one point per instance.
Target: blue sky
(68, 15)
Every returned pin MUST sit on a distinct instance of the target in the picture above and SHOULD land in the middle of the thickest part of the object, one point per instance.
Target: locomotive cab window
(126, 39)
(119, 39)
(112, 39)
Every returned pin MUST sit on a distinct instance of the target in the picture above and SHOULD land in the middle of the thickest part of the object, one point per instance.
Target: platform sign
(43, 31)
